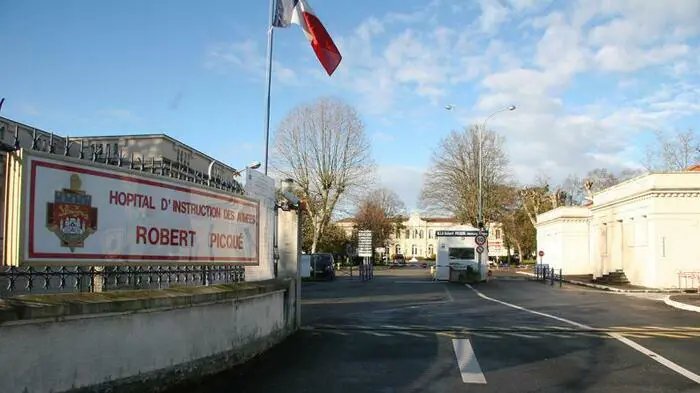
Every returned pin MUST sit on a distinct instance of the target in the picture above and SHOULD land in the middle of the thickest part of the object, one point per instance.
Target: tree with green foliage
(333, 240)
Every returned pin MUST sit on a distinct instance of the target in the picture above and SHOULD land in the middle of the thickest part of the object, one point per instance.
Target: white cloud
(620, 58)
(30, 110)
(537, 55)
(406, 181)
(493, 14)
(546, 133)
(382, 137)
(119, 114)
(248, 56)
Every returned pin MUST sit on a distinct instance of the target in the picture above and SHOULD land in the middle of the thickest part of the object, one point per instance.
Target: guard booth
(459, 249)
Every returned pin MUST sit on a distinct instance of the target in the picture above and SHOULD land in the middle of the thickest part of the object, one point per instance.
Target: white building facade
(417, 237)
(644, 227)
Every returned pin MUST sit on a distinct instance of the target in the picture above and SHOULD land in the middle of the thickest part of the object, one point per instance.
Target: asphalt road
(404, 333)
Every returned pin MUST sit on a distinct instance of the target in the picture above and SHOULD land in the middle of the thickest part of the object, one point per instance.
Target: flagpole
(270, 35)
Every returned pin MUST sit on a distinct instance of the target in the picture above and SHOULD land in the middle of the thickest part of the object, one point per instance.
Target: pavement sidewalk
(687, 301)
(683, 301)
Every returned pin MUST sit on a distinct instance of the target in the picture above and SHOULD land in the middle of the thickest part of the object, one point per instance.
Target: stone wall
(138, 340)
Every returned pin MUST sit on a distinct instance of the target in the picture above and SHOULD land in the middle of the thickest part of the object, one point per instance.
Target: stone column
(289, 243)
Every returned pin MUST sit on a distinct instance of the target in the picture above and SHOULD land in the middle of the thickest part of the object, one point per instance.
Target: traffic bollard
(561, 278)
(551, 278)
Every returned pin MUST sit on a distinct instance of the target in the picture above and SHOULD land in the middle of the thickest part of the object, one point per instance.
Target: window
(414, 249)
(398, 249)
(431, 250)
(430, 234)
(115, 149)
(421, 234)
(408, 233)
(498, 234)
(461, 253)
(415, 233)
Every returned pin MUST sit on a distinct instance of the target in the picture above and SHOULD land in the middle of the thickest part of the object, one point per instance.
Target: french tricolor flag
(299, 12)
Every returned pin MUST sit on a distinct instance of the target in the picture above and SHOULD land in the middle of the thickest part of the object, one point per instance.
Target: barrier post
(551, 278)
(561, 278)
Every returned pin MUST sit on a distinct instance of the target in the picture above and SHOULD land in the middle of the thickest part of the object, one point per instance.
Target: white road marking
(449, 295)
(653, 355)
(521, 335)
(467, 363)
(377, 334)
(411, 334)
(416, 282)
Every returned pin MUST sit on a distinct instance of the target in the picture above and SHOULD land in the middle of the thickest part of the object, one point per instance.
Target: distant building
(639, 231)
(157, 147)
(178, 159)
(417, 238)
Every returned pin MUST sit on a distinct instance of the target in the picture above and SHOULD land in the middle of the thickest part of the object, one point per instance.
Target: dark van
(323, 266)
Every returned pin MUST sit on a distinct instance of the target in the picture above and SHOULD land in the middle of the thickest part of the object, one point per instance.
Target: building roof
(694, 168)
(440, 219)
(149, 136)
(5, 119)
(127, 136)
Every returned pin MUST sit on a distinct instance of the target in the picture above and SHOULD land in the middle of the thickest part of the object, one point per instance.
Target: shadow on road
(396, 333)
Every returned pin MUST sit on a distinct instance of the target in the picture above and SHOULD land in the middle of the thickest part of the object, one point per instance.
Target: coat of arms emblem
(71, 215)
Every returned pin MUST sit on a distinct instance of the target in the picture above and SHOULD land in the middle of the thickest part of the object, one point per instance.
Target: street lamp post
(480, 212)
(480, 204)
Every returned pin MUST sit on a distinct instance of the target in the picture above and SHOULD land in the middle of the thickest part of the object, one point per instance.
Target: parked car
(323, 266)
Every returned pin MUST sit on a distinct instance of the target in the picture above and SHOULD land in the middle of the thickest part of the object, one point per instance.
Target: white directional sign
(364, 244)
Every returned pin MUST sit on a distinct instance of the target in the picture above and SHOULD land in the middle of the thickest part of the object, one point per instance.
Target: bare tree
(387, 200)
(573, 187)
(380, 211)
(451, 182)
(630, 173)
(602, 178)
(518, 229)
(672, 152)
(323, 147)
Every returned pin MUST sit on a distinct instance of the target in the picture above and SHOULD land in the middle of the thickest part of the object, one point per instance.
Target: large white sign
(91, 214)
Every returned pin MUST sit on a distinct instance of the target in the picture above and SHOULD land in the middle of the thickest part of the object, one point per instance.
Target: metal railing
(545, 273)
(60, 279)
(21, 280)
(689, 280)
(157, 166)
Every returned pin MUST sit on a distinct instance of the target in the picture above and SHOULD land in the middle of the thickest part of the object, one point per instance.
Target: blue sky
(591, 78)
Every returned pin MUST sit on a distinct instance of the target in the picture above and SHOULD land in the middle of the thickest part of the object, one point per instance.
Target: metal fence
(61, 279)
(689, 280)
(21, 280)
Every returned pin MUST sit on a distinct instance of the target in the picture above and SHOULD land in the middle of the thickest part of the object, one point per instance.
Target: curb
(612, 289)
(679, 305)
